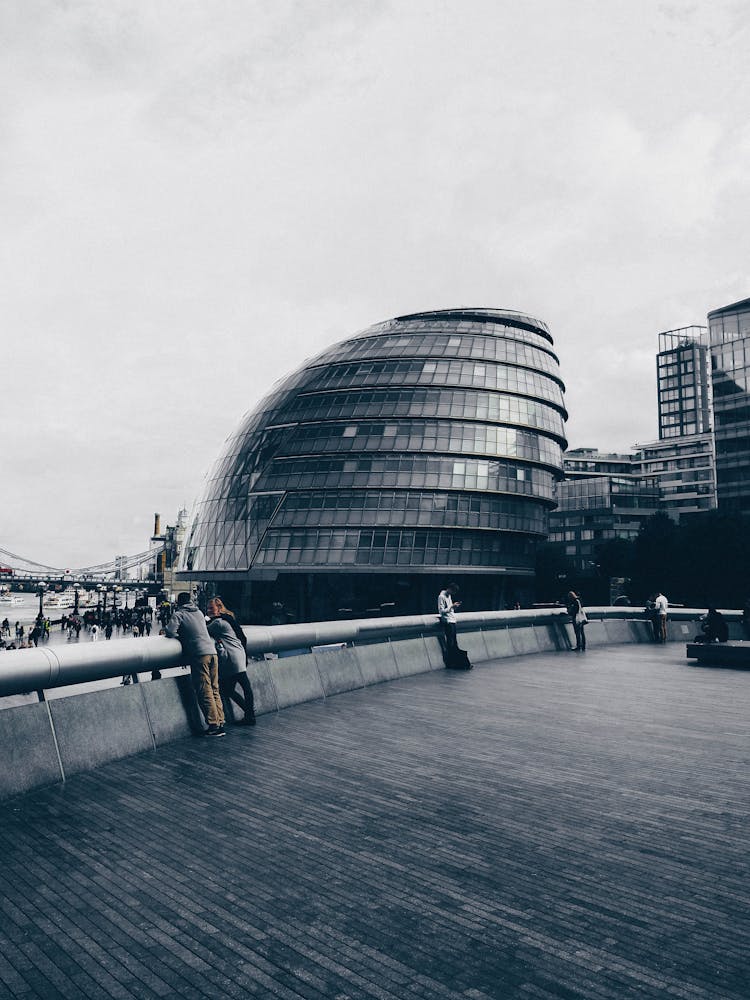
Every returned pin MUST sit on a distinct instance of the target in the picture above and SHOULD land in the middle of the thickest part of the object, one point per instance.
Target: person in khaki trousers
(188, 624)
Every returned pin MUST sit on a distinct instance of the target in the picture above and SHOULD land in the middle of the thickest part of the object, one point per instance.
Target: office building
(684, 470)
(683, 382)
(422, 450)
(608, 495)
(596, 509)
(729, 332)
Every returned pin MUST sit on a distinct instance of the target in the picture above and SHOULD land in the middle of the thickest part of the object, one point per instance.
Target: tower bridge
(20, 571)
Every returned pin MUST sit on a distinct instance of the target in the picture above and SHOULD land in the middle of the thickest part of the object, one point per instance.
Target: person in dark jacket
(714, 627)
(578, 618)
(231, 646)
(188, 624)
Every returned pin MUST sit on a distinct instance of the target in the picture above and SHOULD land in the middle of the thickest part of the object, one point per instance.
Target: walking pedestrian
(189, 626)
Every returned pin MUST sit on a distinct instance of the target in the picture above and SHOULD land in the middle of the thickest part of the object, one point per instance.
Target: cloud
(197, 197)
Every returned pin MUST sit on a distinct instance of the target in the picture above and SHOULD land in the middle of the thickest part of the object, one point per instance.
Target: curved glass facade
(425, 445)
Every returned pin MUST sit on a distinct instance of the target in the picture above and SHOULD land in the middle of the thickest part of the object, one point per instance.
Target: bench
(726, 654)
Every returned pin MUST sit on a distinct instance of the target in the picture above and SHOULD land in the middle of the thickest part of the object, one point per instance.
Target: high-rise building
(683, 382)
(729, 332)
(608, 496)
(422, 450)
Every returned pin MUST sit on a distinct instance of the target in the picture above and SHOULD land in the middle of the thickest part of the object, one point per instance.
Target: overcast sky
(197, 196)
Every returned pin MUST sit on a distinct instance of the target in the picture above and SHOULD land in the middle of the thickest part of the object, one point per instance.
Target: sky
(199, 195)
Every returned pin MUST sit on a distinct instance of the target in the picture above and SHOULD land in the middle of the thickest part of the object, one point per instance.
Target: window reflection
(425, 441)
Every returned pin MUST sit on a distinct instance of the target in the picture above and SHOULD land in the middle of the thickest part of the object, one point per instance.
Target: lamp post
(76, 591)
(41, 587)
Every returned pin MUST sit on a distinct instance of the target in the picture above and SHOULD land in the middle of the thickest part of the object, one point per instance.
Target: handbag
(581, 618)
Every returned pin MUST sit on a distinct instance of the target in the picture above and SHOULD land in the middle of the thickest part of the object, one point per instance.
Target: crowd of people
(20, 638)
(94, 623)
(214, 645)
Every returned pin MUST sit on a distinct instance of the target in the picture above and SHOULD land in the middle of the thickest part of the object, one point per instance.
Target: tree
(554, 572)
(700, 563)
(657, 558)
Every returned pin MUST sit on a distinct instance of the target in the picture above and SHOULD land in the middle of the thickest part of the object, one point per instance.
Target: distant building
(597, 509)
(422, 450)
(581, 463)
(603, 497)
(170, 542)
(676, 474)
(684, 382)
(729, 332)
(684, 470)
(607, 495)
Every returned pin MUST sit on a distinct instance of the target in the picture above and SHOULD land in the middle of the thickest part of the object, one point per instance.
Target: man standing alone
(660, 608)
(447, 611)
(188, 624)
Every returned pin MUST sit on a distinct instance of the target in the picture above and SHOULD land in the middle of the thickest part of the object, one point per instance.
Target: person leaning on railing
(231, 647)
(447, 612)
(189, 626)
(578, 618)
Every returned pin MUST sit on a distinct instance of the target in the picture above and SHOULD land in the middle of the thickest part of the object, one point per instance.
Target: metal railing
(26, 670)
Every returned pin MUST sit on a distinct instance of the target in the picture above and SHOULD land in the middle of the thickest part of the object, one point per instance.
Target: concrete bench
(726, 654)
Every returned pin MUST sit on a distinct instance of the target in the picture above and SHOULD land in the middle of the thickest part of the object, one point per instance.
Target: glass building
(599, 509)
(729, 332)
(684, 469)
(421, 450)
(684, 382)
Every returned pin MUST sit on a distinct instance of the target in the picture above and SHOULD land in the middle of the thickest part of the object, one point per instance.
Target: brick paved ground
(558, 826)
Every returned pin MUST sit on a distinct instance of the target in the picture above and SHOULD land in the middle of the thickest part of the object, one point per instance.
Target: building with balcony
(597, 509)
(608, 495)
(683, 374)
(424, 449)
(685, 471)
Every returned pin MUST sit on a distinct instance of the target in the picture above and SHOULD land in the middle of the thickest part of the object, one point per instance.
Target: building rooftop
(733, 307)
(558, 826)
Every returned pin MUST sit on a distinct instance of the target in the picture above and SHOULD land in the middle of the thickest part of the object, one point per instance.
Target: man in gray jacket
(188, 624)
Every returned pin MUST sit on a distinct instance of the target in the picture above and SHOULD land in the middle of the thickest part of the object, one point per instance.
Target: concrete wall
(43, 743)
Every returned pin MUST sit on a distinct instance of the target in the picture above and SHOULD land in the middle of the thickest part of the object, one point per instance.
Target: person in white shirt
(660, 607)
(447, 611)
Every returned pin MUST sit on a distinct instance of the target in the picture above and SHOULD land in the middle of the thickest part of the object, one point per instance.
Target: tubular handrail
(44, 667)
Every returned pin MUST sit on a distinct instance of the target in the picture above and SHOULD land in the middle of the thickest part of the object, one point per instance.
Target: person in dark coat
(578, 618)
(714, 627)
(189, 626)
(231, 646)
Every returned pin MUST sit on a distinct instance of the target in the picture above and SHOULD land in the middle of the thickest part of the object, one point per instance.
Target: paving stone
(551, 826)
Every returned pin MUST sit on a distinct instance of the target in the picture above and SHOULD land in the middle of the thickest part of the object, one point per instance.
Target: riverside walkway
(554, 826)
